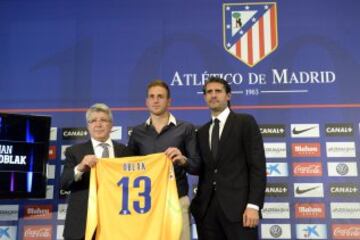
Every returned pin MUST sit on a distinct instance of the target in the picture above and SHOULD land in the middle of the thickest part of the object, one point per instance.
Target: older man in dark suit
(80, 158)
(232, 181)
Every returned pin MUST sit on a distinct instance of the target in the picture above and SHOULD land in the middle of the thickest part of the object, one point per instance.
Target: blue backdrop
(59, 57)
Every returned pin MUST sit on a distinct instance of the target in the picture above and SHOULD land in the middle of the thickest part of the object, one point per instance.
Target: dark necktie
(105, 153)
(215, 138)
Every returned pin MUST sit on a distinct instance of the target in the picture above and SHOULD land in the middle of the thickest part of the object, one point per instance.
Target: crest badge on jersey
(250, 30)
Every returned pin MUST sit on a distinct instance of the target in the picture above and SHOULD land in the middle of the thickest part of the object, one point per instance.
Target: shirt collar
(96, 143)
(172, 120)
(222, 116)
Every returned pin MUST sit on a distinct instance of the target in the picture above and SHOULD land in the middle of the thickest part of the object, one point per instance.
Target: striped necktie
(105, 152)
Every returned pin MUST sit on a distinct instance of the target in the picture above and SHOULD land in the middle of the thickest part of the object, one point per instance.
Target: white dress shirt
(98, 149)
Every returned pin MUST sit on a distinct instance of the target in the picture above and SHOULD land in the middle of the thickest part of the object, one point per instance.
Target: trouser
(185, 203)
(216, 226)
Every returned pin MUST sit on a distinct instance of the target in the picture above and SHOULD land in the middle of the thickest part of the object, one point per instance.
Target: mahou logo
(37, 232)
(309, 210)
(307, 169)
(305, 149)
(38, 212)
(52, 152)
(346, 231)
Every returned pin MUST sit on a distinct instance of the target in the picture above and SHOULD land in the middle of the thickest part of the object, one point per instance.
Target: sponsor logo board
(37, 211)
(275, 231)
(63, 148)
(116, 133)
(306, 149)
(62, 211)
(53, 133)
(9, 212)
(275, 150)
(345, 231)
(59, 232)
(307, 169)
(310, 210)
(305, 130)
(52, 152)
(277, 190)
(8, 232)
(344, 190)
(74, 133)
(342, 169)
(272, 130)
(49, 191)
(50, 171)
(311, 231)
(37, 232)
(339, 129)
(306, 190)
(345, 210)
(277, 169)
(340, 149)
(276, 210)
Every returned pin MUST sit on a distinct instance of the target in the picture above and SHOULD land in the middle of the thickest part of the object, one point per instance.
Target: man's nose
(213, 95)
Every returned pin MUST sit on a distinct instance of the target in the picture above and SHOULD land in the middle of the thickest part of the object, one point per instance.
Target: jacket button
(215, 170)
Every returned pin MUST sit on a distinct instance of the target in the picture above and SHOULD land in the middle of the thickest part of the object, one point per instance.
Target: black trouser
(216, 226)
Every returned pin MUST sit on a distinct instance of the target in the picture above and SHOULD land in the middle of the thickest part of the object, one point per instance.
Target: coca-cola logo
(42, 232)
(346, 231)
(307, 169)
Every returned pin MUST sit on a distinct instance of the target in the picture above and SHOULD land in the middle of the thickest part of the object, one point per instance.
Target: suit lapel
(88, 148)
(118, 151)
(207, 150)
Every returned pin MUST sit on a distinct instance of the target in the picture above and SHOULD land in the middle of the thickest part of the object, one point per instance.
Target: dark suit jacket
(239, 170)
(75, 221)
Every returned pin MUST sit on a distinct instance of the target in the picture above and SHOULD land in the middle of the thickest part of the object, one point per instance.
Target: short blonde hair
(159, 83)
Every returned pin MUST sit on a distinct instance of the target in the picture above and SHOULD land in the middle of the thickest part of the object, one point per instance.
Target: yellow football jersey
(134, 198)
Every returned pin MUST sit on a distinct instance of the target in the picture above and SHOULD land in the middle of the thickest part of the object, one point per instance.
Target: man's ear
(169, 102)
(229, 96)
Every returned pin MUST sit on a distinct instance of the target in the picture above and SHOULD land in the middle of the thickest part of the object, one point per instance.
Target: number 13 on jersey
(136, 198)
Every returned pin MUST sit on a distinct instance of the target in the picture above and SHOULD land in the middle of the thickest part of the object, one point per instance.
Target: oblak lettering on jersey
(134, 166)
(7, 157)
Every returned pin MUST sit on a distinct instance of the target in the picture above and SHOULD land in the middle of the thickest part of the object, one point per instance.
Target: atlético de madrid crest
(250, 30)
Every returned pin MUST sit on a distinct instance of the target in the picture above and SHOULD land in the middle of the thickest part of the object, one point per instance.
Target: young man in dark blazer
(232, 181)
(80, 158)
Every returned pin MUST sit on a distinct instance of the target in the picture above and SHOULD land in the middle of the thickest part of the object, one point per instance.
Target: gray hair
(99, 107)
